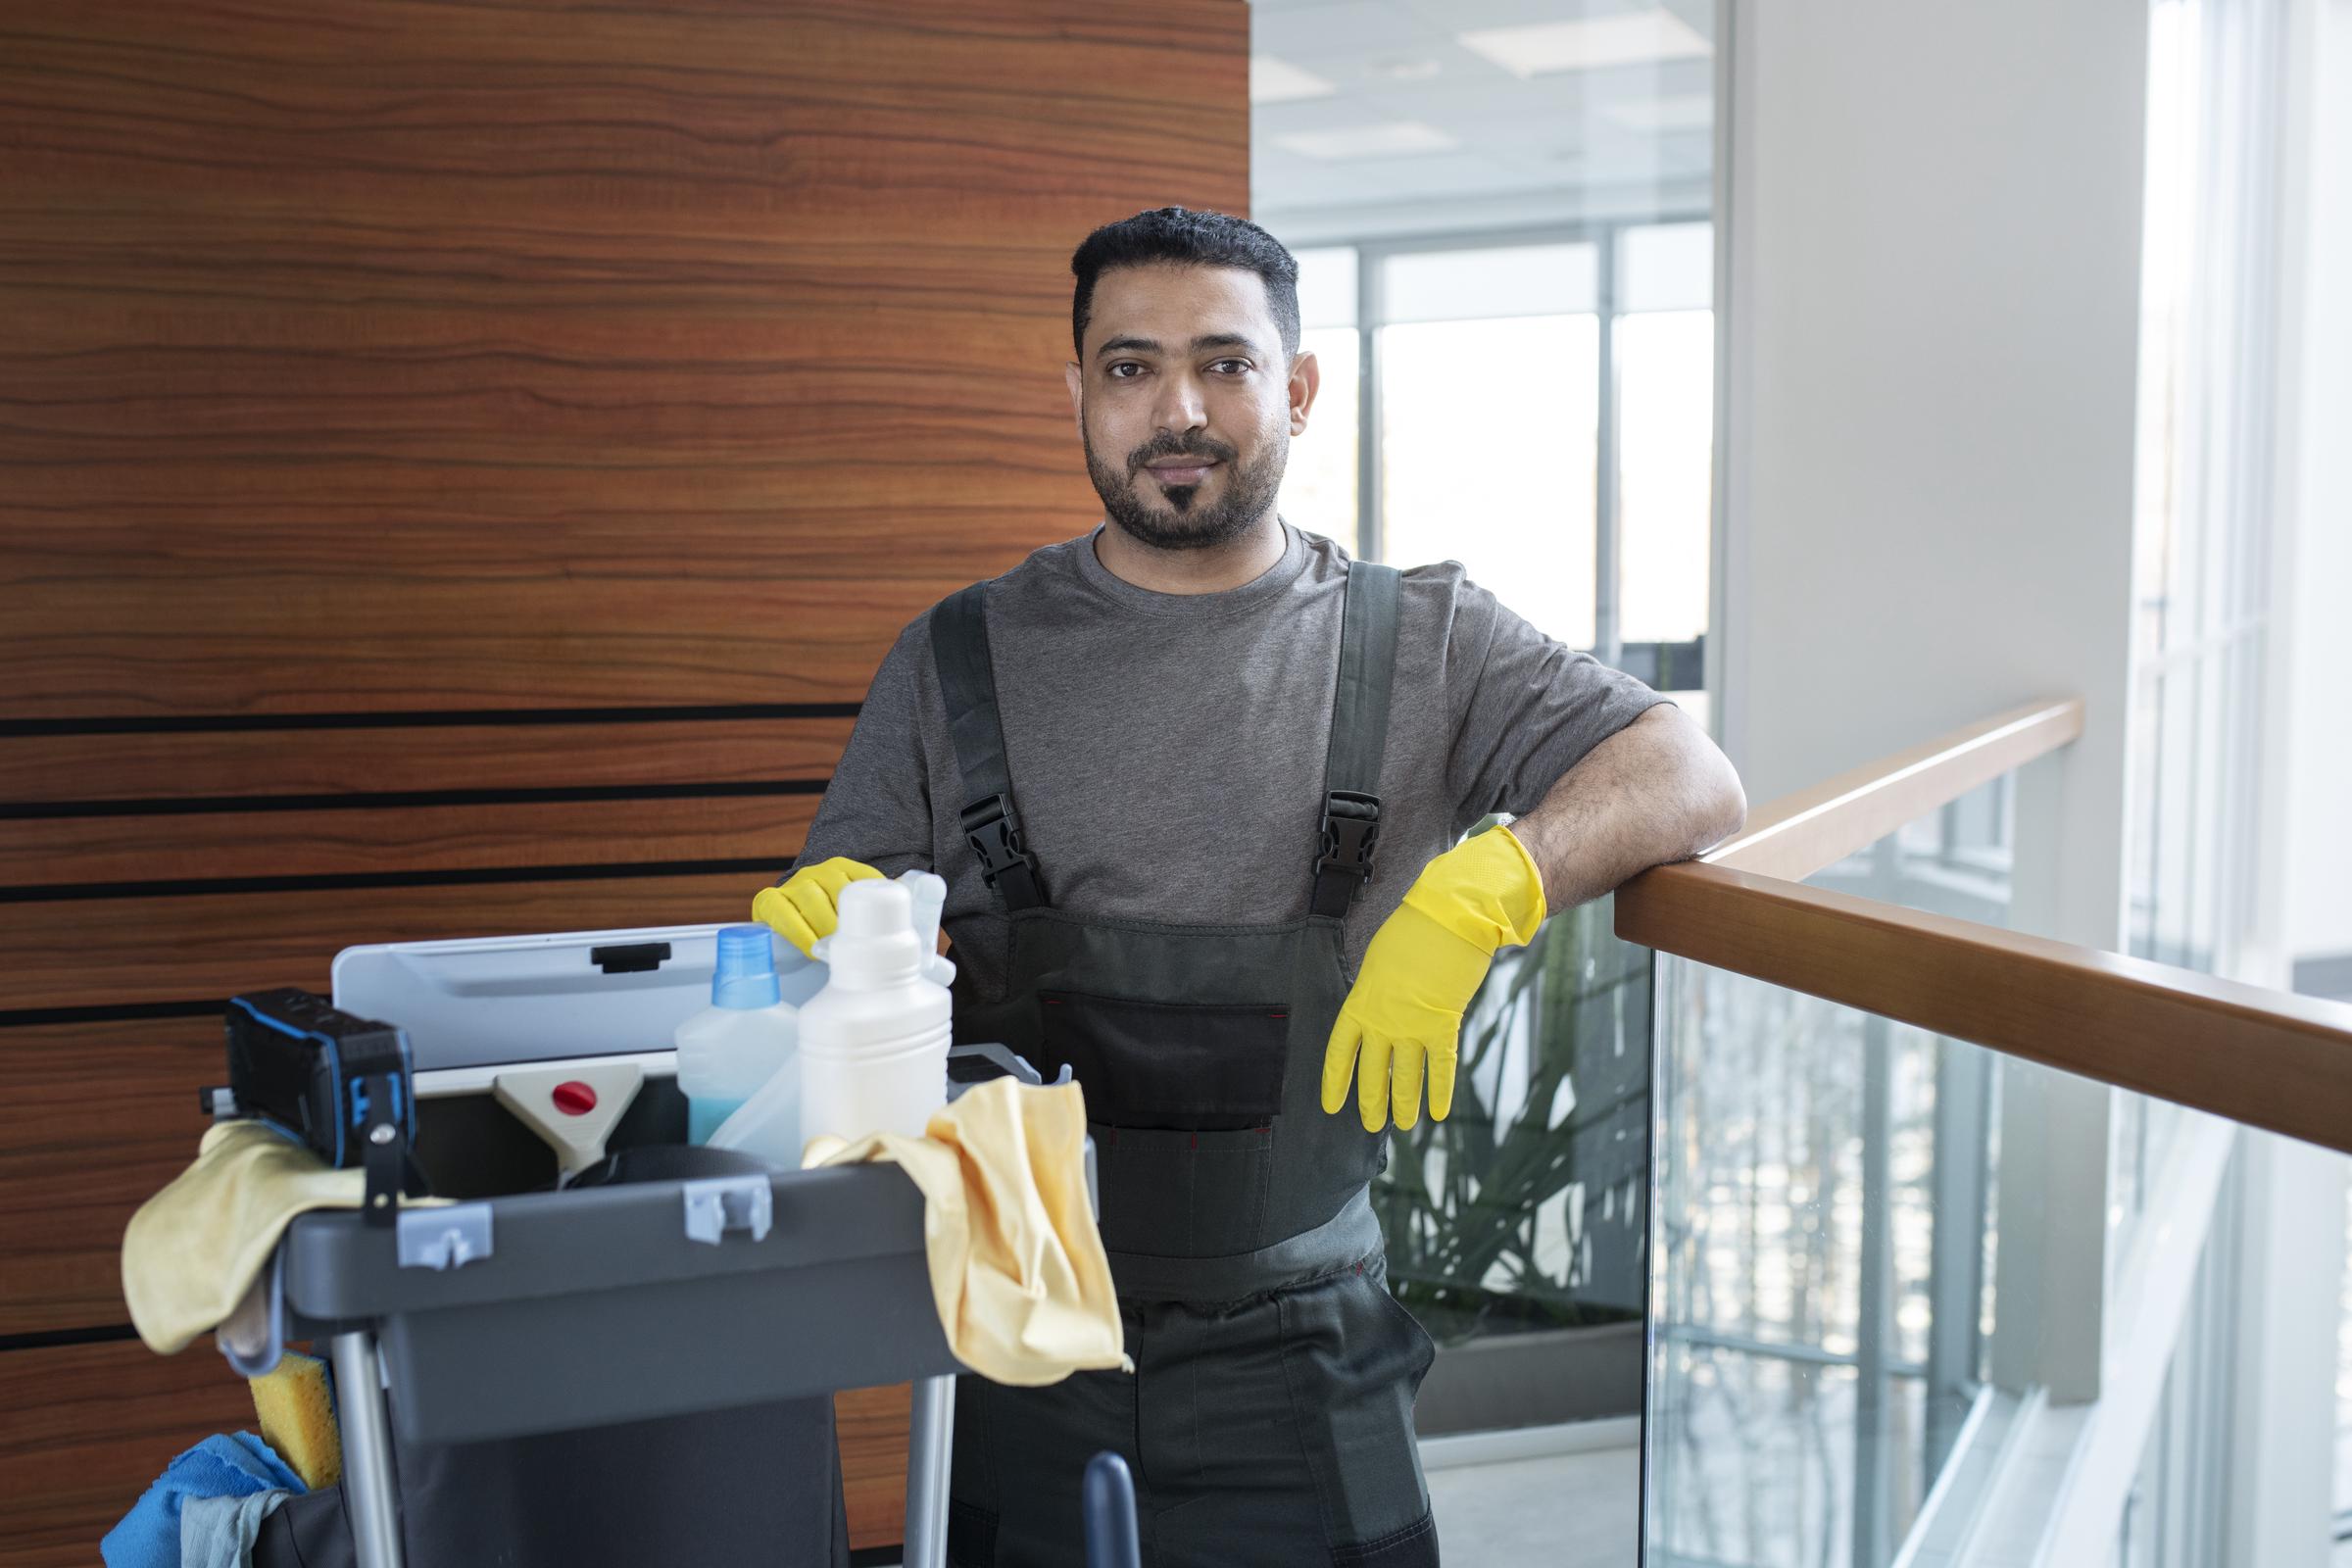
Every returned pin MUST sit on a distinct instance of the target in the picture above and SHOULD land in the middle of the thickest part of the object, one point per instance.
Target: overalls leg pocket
(1354, 1358)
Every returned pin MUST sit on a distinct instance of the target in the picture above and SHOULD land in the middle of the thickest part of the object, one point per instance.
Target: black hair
(1179, 236)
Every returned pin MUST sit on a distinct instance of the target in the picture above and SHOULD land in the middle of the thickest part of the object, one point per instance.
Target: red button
(574, 1097)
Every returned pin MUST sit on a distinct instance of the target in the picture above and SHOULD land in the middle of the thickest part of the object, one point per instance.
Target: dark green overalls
(1270, 1416)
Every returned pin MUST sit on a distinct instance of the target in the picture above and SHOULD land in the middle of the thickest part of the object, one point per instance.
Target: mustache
(1168, 444)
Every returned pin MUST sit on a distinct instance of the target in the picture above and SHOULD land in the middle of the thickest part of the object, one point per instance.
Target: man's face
(1186, 403)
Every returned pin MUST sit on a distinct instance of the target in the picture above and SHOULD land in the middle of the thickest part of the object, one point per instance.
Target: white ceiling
(1421, 132)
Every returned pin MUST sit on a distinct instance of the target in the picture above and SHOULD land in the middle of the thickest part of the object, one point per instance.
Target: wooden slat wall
(185, 769)
(459, 465)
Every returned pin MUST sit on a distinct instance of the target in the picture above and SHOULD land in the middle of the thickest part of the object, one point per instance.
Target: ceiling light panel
(1394, 138)
(1636, 39)
(1688, 112)
(1278, 81)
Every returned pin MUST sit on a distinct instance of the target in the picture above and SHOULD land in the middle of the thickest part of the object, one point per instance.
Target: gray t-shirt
(1167, 749)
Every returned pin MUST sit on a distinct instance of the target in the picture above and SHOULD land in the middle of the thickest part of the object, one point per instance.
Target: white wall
(2318, 617)
(1931, 350)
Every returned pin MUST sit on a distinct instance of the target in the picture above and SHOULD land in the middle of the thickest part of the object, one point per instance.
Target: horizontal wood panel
(2263, 1057)
(479, 645)
(128, 849)
(98, 1117)
(409, 758)
(648, 108)
(83, 1429)
(84, 953)
(420, 355)
(417, 591)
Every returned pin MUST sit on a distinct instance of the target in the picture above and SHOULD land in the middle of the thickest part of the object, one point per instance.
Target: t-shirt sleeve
(1527, 709)
(877, 808)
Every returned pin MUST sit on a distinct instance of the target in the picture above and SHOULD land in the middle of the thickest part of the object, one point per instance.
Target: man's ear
(1306, 379)
(1075, 379)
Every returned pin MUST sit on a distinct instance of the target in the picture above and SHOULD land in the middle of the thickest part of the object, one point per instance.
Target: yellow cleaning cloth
(1017, 1263)
(194, 1248)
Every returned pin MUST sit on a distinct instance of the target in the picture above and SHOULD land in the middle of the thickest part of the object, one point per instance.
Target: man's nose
(1181, 405)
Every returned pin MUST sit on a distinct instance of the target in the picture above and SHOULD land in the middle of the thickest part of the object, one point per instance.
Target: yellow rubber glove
(808, 905)
(1425, 964)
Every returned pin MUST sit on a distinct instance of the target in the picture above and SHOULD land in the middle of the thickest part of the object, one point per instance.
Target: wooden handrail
(1798, 834)
(2264, 1058)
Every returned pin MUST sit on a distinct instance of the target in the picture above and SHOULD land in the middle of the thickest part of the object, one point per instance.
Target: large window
(1541, 409)
(1490, 419)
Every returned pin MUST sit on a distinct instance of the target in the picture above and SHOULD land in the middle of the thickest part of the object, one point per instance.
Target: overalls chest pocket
(1182, 1099)
(1209, 1067)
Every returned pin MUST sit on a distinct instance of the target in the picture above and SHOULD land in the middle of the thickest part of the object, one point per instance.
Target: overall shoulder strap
(967, 681)
(1360, 735)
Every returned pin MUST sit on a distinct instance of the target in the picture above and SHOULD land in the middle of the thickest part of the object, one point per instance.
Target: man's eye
(1119, 371)
(1232, 366)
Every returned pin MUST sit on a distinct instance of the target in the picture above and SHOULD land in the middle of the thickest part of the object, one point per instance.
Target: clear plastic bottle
(745, 1036)
(874, 1040)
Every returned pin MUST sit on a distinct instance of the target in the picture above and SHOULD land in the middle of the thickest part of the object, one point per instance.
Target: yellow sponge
(296, 1405)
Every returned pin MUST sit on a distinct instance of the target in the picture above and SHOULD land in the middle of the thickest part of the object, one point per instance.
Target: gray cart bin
(836, 1293)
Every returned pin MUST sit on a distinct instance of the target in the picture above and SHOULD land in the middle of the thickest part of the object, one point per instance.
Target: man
(1186, 776)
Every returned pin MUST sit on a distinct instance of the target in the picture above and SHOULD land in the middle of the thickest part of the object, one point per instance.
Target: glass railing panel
(1823, 1226)
(1824, 1230)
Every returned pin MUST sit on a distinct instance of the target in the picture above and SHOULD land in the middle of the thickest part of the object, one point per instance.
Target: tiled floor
(1576, 1510)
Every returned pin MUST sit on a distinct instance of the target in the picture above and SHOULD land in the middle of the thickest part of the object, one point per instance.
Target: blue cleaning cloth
(220, 1466)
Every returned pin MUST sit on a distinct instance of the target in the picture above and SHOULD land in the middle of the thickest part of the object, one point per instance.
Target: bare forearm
(1658, 790)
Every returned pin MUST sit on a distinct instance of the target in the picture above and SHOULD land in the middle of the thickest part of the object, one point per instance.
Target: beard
(1190, 523)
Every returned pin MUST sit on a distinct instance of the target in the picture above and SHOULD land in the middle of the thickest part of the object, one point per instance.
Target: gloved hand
(808, 905)
(1421, 970)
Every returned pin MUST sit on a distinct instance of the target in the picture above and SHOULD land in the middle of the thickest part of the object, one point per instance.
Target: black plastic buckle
(993, 829)
(1350, 833)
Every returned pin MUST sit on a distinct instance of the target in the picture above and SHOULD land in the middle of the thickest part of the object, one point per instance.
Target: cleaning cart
(514, 1312)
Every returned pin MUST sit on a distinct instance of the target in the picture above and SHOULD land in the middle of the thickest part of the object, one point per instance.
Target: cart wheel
(1110, 1534)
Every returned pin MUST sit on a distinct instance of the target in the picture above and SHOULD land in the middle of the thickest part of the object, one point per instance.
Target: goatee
(1189, 524)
